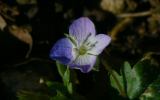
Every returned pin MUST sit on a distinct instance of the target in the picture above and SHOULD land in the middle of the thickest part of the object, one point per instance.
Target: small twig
(139, 14)
(29, 50)
(32, 59)
(119, 27)
(7, 17)
(128, 18)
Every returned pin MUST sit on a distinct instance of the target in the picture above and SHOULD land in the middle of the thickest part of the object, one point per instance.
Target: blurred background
(29, 29)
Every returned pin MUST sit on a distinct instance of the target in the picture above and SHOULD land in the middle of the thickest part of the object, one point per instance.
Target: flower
(81, 46)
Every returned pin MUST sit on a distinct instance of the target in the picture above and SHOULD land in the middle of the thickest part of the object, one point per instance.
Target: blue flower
(81, 47)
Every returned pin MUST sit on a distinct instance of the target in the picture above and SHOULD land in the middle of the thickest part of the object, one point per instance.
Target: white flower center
(86, 46)
(82, 50)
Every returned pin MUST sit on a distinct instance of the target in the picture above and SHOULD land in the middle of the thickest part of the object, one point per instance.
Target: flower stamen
(92, 45)
(87, 38)
(72, 39)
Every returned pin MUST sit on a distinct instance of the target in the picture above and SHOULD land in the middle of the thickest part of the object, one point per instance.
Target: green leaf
(61, 68)
(59, 96)
(70, 88)
(65, 74)
(133, 81)
(66, 77)
(56, 86)
(66, 80)
(117, 82)
(138, 78)
(152, 92)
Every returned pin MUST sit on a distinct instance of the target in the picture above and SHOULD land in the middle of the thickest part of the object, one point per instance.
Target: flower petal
(81, 28)
(102, 41)
(85, 63)
(62, 51)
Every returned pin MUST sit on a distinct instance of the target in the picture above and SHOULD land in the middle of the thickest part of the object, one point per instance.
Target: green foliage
(134, 80)
(142, 74)
(65, 74)
(153, 91)
(66, 80)
(116, 78)
(56, 86)
(66, 77)
(61, 68)
(58, 92)
(25, 95)
(63, 92)
(59, 96)
(70, 88)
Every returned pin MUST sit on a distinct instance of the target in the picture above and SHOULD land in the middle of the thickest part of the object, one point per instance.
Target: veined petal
(62, 51)
(81, 28)
(85, 63)
(102, 41)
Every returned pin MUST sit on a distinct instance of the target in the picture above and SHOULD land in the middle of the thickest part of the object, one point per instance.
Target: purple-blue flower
(81, 46)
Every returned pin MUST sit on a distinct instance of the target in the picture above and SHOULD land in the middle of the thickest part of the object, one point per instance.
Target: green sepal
(61, 68)
(71, 38)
